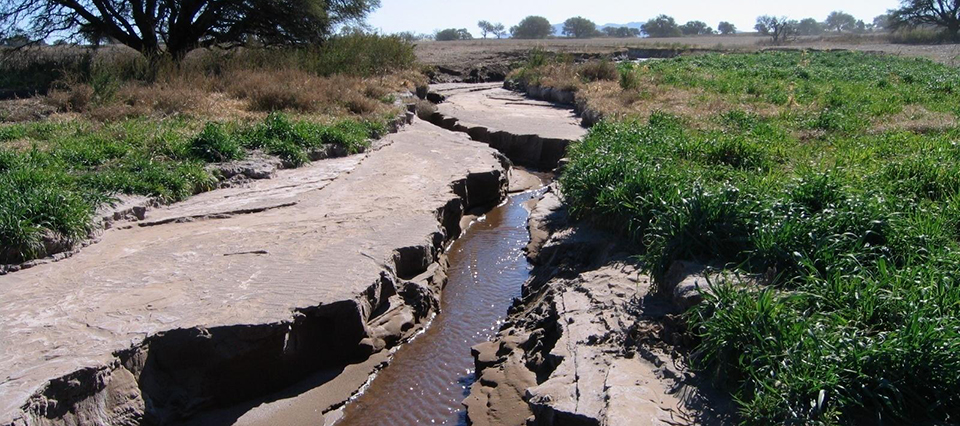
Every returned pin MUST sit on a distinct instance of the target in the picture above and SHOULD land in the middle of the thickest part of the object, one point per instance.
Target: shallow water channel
(429, 377)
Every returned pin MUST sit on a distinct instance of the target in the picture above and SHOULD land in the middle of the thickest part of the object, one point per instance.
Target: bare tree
(780, 29)
(175, 27)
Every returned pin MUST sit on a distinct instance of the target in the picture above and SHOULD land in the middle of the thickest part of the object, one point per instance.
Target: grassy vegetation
(55, 175)
(111, 123)
(355, 55)
(837, 175)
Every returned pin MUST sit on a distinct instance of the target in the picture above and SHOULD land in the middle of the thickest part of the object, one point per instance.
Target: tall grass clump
(853, 225)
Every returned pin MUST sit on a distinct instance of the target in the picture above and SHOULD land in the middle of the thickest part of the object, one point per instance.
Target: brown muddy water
(429, 377)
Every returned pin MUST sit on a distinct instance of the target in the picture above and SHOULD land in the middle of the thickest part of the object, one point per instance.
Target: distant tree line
(943, 14)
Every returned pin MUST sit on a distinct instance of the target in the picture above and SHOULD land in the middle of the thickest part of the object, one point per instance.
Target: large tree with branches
(939, 13)
(175, 27)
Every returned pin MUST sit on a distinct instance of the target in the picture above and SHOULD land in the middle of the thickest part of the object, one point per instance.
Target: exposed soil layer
(587, 342)
(529, 132)
(241, 292)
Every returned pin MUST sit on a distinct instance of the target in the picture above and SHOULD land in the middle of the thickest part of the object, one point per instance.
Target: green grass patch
(53, 176)
(860, 227)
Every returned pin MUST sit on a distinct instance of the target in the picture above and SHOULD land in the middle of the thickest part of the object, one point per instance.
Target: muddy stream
(430, 376)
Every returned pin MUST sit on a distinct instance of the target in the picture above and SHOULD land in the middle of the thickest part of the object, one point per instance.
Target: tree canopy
(882, 22)
(661, 26)
(840, 22)
(579, 27)
(175, 27)
(809, 27)
(621, 32)
(451, 34)
(696, 28)
(486, 27)
(726, 28)
(939, 13)
(532, 27)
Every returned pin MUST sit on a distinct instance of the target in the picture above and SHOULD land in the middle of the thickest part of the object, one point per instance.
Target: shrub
(425, 109)
(77, 98)
(599, 71)
(629, 79)
(363, 55)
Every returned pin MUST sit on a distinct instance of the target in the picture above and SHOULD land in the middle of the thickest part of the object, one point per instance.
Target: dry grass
(510, 50)
(598, 89)
(235, 94)
(642, 93)
(75, 98)
(355, 75)
(915, 118)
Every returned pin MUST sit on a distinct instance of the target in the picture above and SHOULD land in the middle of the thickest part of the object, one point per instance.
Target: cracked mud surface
(245, 264)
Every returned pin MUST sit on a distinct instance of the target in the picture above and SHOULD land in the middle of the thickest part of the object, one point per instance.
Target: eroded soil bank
(530, 132)
(242, 292)
(588, 343)
(428, 378)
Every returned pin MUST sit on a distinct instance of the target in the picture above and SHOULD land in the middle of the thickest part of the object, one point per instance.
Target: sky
(426, 16)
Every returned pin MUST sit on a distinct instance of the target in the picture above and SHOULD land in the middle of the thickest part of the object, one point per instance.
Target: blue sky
(425, 16)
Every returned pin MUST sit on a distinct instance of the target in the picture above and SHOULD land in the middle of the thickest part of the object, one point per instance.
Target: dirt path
(239, 291)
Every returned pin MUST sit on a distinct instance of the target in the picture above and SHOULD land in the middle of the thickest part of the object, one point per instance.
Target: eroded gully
(429, 377)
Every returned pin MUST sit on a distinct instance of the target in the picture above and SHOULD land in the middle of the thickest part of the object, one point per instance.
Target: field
(832, 178)
(485, 52)
(107, 123)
